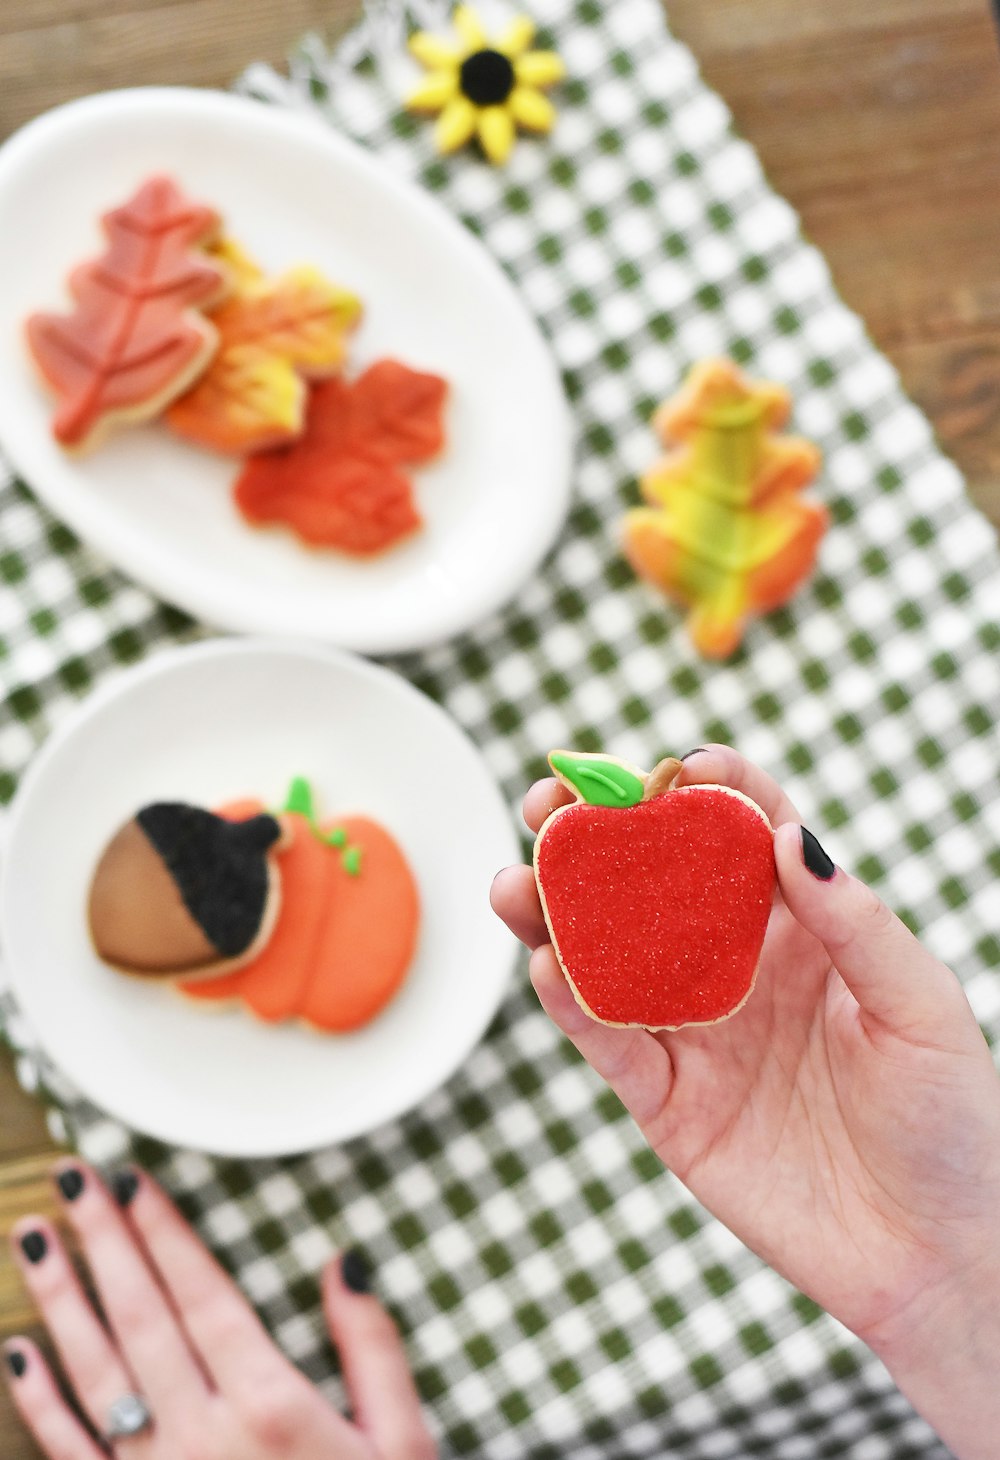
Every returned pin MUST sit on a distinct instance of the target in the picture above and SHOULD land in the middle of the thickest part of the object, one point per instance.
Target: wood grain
(878, 119)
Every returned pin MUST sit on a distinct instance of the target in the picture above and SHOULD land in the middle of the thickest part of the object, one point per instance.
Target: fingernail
(816, 860)
(354, 1271)
(34, 1246)
(70, 1182)
(697, 751)
(16, 1362)
(124, 1185)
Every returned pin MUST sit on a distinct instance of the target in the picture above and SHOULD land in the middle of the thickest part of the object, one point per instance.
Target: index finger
(542, 799)
(721, 765)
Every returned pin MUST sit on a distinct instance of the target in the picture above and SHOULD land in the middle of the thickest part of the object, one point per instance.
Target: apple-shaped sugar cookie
(656, 897)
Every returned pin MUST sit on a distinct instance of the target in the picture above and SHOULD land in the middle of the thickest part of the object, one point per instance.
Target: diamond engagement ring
(128, 1416)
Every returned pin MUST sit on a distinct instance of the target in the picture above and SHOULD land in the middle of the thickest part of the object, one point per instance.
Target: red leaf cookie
(133, 341)
(340, 485)
(657, 899)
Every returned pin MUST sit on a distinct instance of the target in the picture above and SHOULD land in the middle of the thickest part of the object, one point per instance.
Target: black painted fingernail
(354, 1271)
(124, 1185)
(34, 1246)
(70, 1182)
(817, 861)
(16, 1362)
(697, 751)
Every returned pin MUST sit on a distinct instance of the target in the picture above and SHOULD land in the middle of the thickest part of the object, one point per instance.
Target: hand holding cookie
(844, 1123)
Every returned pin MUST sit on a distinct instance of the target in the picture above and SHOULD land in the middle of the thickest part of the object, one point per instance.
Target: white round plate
(290, 190)
(208, 724)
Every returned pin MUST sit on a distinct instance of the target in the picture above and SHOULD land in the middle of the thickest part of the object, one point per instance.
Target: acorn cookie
(181, 891)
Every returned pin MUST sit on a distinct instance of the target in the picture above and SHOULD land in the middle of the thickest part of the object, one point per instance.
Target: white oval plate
(291, 190)
(226, 719)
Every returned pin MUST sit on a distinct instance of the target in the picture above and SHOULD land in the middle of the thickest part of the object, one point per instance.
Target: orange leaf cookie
(346, 932)
(726, 532)
(340, 484)
(134, 341)
(272, 334)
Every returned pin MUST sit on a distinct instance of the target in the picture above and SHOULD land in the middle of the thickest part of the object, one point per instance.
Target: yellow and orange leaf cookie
(726, 532)
(135, 338)
(274, 335)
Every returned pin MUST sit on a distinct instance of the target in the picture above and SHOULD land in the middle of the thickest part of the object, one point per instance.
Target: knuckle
(272, 1411)
(873, 916)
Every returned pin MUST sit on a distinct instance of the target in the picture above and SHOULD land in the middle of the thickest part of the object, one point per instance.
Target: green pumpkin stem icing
(300, 801)
(598, 779)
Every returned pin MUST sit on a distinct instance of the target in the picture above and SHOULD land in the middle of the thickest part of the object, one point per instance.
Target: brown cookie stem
(661, 778)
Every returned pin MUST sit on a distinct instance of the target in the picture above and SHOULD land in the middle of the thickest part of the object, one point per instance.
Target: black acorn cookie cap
(219, 867)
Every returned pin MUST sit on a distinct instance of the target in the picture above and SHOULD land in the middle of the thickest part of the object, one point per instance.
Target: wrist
(941, 1350)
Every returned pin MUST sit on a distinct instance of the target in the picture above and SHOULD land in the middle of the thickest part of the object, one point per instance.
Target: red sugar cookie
(657, 899)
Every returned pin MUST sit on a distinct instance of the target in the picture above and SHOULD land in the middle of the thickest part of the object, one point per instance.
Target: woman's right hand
(845, 1123)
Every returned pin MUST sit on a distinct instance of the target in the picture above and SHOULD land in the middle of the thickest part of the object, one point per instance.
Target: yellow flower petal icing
(434, 92)
(470, 28)
(434, 53)
(455, 125)
(496, 132)
(515, 39)
(531, 109)
(539, 68)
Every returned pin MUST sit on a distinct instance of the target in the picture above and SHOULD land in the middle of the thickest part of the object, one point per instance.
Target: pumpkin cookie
(347, 931)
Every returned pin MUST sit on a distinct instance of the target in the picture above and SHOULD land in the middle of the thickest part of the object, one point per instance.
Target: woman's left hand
(180, 1334)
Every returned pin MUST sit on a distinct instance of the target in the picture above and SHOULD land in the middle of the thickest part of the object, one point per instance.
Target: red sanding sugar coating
(659, 910)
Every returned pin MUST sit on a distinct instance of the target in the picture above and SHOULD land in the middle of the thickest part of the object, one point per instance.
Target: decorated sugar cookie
(274, 336)
(344, 484)
(181, 891)
(656, 897)
(726, 532)
(136, 337)
(348, 927)
(484, 88)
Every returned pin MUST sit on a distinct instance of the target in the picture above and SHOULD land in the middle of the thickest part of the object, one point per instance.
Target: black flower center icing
(486, 78)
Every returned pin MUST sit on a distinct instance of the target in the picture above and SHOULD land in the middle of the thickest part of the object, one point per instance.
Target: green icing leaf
(352, 861)
(600, 780)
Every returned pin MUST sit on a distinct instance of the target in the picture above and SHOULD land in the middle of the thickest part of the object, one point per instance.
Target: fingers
(383, 1396)
(634, 1063)
(228, 1337)
(895, 980)
(720, 765)
(514, 899)
(145, 1326)
(92, 1363)
(36, 1396)
(542, 799)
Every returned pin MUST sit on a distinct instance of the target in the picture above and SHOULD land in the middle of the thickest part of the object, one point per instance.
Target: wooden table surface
(878, 119)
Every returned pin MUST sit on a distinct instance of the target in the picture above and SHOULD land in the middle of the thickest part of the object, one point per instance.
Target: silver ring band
(130, 1415)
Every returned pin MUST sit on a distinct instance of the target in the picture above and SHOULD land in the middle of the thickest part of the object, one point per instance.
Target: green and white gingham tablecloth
(562, 1294)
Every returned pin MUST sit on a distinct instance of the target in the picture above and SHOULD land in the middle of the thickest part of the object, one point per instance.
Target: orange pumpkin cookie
(135, 338)
(347, 930)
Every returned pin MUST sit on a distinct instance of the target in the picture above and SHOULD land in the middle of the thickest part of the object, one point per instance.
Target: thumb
(896, 981)
(383, 1396)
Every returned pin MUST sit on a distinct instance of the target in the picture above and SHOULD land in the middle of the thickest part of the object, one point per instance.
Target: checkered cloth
(562, 1294)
